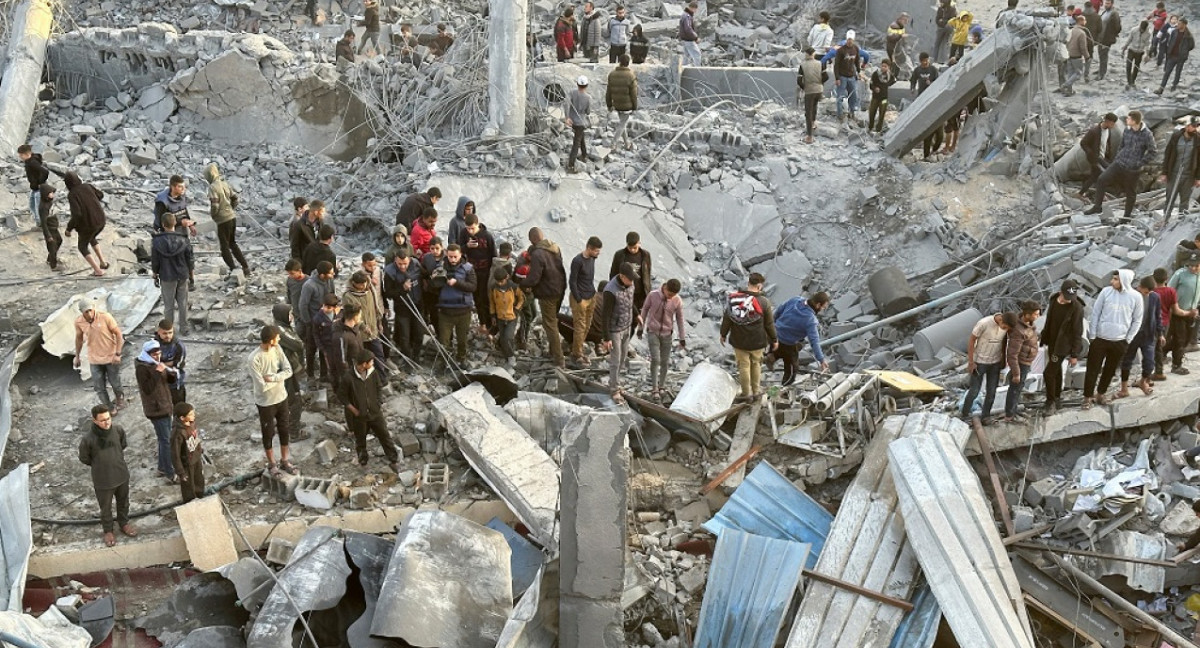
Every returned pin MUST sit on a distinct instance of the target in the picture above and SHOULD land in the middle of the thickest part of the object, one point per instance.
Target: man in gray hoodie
(579, 104)
(1116, 319)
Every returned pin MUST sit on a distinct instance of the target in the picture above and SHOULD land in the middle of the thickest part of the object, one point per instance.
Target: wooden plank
(985, 448)
(1061, 620)
(206, 533)
(907, 382)
(740, 462)
(743, 438)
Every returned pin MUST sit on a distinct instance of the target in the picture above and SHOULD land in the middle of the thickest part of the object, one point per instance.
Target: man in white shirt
(820, 37)
(985, 359)
(269, 368)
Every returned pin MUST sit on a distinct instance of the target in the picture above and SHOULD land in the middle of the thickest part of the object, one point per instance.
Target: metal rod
(1025, 535)
(861, 591)
(1094, 554)
(737, 463)
(985, 449)
(941, 301)
(1174, 637)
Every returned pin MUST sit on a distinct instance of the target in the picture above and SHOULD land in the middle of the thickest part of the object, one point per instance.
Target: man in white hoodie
(1116, 318)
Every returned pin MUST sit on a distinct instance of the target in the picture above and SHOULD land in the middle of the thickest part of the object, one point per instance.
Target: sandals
(274, 470)
(1145, 386)
(287, 467)
(104, 266)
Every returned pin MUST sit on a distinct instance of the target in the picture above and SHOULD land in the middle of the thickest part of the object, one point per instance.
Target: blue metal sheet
(769, 505)
(750, 587)
(526, 559)
(920, 626)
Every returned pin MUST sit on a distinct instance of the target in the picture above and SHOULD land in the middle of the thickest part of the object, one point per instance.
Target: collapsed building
(531, 509)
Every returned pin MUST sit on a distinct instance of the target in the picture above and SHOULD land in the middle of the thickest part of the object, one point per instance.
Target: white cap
(581, 81)
(850, 34)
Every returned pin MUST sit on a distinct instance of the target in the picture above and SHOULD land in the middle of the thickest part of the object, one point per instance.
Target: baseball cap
(850, 34)
(1194, 121)
(1070, 288)
(581, 81)
(628, 272)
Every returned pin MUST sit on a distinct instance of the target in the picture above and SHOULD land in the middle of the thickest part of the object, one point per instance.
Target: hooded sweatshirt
(370, 311)
(458, 224)
(171, 256)
(36, 172)
(221, 198)
(399, 242)
(48, 223)
(796, 320)
(479, 249)
(1117, 315)
(104, 451)
(546, 277)
(165, 204)
(87, 214)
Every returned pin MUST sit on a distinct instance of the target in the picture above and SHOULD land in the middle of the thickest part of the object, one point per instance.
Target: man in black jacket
(414, 204)
(548, 279)
(1106, 34)
(639, 258)
(320, 251)
(749, 325)
(173, 266)
(36, 173)
(303, 230)
(1062, 335)
(1097, 145)
(1181, 167)
(402, 285)
(359, 390)
(618, 319)
(103, 449)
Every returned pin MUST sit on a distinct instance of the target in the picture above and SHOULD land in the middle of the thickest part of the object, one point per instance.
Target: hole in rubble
(366, 233)
(554, 93)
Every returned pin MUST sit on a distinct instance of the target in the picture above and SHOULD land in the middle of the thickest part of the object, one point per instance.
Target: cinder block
(327, 451)
(319, 494)
(1036, 492)
(1056, 500)
(279, 551)
(435, 478)
(408, 443)
(362, 497)
(1023, 518)
(282, 486)
(1074, 528)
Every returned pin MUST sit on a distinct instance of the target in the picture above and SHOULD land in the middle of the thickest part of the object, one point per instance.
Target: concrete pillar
(507, 56)
(30, 29)
(592, 540)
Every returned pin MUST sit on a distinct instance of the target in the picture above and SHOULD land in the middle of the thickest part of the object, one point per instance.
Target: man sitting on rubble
(1116, 319)
(343, 52)
(985, 359)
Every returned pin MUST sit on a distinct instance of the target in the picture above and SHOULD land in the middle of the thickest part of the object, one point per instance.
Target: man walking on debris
(617, 318)
(811, 80)
(153, 378)
(795, 321)
(847, 68)
(1021, 348)
(173, 268)
(579, 105)
(1062, 335)
(36, 173)
(749, 325)
(548, 280)
(661, 315)
(49, 224)
(1135, 52)
(1186, 282)
(414, 205)
(622, 96)
(985, 359)
(1106, 37)
(88, 218)
(359, 391)
(269, 369)
(222, 201)
(186, 453)
(881, 80)
(1177, 47)
(1137, 150)
(1145, 341)
(583, 301)
(1181, 168)
(689, 39)
(1097, 145)
(173, 200)
(103, 450)
(1077, 55)
(1116, 318)
(635, 255)
(370, 21)
(104, 341)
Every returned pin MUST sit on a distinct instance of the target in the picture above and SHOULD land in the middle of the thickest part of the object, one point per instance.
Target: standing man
(370, 267)
(881, 80)
(1062, 335)
(456, 300)
(312, 296)
(564, 34)
(324, 324)
(589, 31)
(811, 80)
(153, 378)
(919, 82)
(1177, 47)
(749, 325)
(1077, 55)
(402, 285)
(795, 321)
(293, 350)
(423, 231)
(1091, 11)
(617, 322)
(359, 390)
(173, 200)
(431, 262)
(458, 222)
(1110, 29)
(104, 342)
(358, 293)
(1135, 52)
(48, 223)
(894, 43)
(548, 280)
(222, 201)
(820, 37)
(1116, 318)
(1169, 300)
(88, 218)
(36, 173)
(1186, 282)
(639, 259)
(320, 251)
(618, 35)
(582, 285)
(478, 249)
(985, 359)
(661, 315)
(174, 356)
(173, 267)
(578, 107)
(945, 11)
(1146, 339)
(1097, 145)
(1022, 348)
(1181, 168)
(688, 37)
(371, 22)
(414, 205)
(303, 230)
(847, 68)
(269, 369)
(1137, 149)
(186, 453)
(103, 450)
(621, 96)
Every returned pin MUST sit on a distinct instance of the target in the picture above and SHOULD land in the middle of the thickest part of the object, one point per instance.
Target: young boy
(295, 283)
(49, 225)
(186, 452)
(881, 80)
(506, 301)
(322, 324)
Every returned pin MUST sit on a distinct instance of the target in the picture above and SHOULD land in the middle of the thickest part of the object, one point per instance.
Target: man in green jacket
(222, 200)
(621, 96)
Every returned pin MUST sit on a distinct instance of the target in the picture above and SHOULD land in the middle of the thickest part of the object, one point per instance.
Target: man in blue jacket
(456, 300)
(795, 320)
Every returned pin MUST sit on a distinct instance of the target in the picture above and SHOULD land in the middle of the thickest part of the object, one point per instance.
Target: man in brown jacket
(1022, 349)
(103, 449)
(1078, 52)
(152, 378)
(186, 454)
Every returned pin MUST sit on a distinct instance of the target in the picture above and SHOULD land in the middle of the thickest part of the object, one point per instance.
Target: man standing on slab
(103, 448)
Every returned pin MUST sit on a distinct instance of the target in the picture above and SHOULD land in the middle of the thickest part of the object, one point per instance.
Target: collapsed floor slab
(29, 31)
(315, 580)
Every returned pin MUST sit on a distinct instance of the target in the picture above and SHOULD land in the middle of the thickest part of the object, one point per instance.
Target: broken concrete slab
(594, 500)
(201, 601)
(370, 554)
(315, 579)
(448, 583)
(206, 532)
(700, 87)
(29, 31)
(249, 577)
(507, 458)
(751, 229)
(949, 523)
(743, 438)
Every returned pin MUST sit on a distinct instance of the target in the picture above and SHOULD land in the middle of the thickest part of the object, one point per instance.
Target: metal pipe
(6, 638)
(940, 301)
(826, 403)
(844, 410)
(808, 399)
(1120, 602)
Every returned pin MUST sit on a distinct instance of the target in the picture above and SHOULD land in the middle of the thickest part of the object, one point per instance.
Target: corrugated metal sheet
(919, 627)
(16, 536)
(8, 368)
(949, 524)
(526, 559)
(769, 505)
(750, 587)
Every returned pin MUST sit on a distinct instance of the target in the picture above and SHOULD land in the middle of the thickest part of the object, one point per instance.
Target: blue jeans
(1144, 344)
(691, 53)
(162, 430)
(110, 373)
(35, 202)
(507, 334)
(1014, 392)
(992, 373)
(847, 87)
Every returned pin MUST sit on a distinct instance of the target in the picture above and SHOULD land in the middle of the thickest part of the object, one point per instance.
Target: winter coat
(104, 451)
(370, 312)
(564, 37)
(1091, 146)
(323, 325)
(639, 47)
(1179, 44)
(87, 213)
(1117, 315)
(1078, 43)
(795, 320)
(186, 451)
(394, 248)
(1021, 347)
(962, 28)
(314, 254)
(687, 27)
(292, 345)
(153, 388)
(479, 249)
(749, 321)
(506, 301)
(546, 277)
(302, 233)
(221, 198)
(618, 31)
(458, 224)
(622, 92)
(641, 266)
(312, 297)
(47, 221)
(171, 256)
(361, 392)
(880, 82)
(1138, 40)
(461, 296)
(421, 237)
(403, 301)
(589, 31)
(1191, 168)
(1063, 332)
(618, 313)
(1110, 28)
(411, 208)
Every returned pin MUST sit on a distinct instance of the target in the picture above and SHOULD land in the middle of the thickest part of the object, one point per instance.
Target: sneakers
(1158, 377)
(1093, 211)
(1180, 370)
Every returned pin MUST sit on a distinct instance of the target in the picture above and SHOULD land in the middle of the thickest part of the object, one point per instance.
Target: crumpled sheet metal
(129, 302)
(315, 579)
(16, 536)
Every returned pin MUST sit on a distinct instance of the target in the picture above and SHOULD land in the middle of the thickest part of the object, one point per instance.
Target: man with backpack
(749, 325)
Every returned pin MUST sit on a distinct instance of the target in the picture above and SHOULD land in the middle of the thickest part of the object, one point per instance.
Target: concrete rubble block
(700, 87)
(314, 580)
(249, 577)
(448, 583)
(1037, 492)
(592, 564)
(696, 512)
(789, 273)
(708, 391)
(206, 532)
(320, 494)
(327, 452)
(1077, 527)
(1096, 267)
(507, 458)
(1179, 520)
(752, 230)
(435, 478)
(120, 166)
(361, 498)
(279, 551)
(408, 443)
